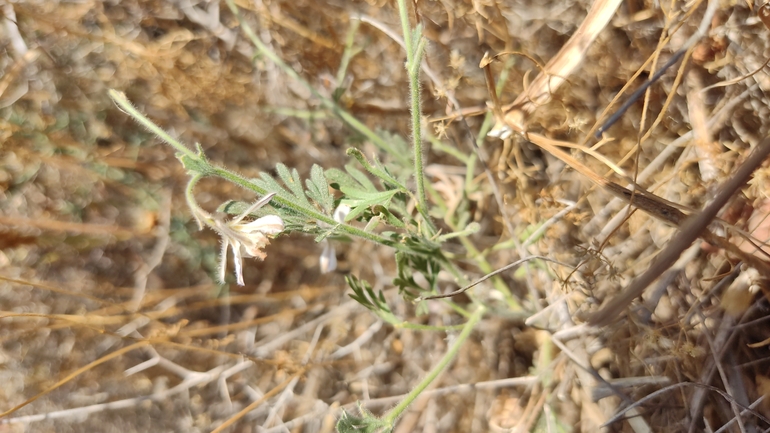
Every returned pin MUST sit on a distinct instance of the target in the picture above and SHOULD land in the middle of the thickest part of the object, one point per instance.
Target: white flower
(245, 239)
(328, 259)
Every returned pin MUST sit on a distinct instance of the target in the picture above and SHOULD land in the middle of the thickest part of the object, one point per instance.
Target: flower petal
(269, 224)
(340, 213)
(223, 259)
(328, 259)
(255, 249)
(261, 202)
(238, 262)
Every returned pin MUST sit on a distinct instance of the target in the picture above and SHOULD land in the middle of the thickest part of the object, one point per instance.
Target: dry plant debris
(111, 318)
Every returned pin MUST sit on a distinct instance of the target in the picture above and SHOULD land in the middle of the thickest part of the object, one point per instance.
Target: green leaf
(375, 302)
(291, 179)
(368, 423)
(360, 200)
(361, 194)
(354, 178)
(360, 177)
(266, 182)
(318, 189)
(364, 295)
(376, 169)
(408, 264)
(198, 165)
(338, 178)
(292, 191)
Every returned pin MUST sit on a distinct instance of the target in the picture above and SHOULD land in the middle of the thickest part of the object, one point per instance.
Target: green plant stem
(458, 309)
(190, 196)
(327, 103)
(413, 60)
(350, 50)
(403, 13)
(122, 101)
(391, 417)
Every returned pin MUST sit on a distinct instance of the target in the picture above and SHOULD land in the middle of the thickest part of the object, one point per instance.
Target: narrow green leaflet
(407, 265)
(375, 302)
(318, 189)
(360, 193)
(354, 178)
(291, 179)
(293, 191)
(360, 200)
(377, 169)
(367, 423)
(364, 294)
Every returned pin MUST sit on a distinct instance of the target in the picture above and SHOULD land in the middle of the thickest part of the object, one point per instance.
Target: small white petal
(341, 213)
(261, 202)
(328, 259)
(269, 224)
(238, 262)
(259, 241)
(223, 260)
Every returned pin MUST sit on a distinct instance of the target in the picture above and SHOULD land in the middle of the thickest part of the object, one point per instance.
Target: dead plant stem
(690, 229)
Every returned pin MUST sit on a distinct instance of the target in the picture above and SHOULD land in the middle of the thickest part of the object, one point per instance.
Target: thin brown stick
(75, 374)
(691, 229)
(738, 79)
(642, 199)
(233, 419)
(71, 227)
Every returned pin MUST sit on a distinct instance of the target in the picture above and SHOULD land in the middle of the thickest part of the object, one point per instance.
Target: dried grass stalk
(557, 70)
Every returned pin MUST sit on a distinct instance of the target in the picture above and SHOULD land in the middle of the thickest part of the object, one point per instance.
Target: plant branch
(125, 105)
(413, 61)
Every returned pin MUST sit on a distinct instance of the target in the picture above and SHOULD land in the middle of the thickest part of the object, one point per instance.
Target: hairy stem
(413, 60)
(124, 104)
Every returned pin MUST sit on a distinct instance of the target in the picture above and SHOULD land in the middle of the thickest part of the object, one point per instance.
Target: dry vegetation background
(93, 220)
